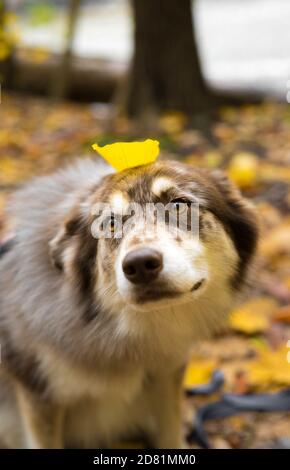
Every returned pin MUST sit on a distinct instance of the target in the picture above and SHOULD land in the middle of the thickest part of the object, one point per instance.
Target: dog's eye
(180, 205)
(112, 223)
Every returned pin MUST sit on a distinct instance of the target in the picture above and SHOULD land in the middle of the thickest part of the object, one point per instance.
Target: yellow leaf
(173, 122)
(243, 170)
(253, 316)
(271, 368)
(123, 155)
(198, 371)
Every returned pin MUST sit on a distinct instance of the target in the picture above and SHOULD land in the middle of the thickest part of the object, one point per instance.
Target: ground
(252, 145)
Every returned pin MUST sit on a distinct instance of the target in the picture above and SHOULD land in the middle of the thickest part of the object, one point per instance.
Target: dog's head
(155, 235)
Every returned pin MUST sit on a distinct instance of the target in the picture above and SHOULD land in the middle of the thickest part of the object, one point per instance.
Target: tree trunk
(61, 87)
(166, 72)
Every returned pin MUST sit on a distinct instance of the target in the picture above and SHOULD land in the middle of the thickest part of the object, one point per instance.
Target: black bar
(139, 458)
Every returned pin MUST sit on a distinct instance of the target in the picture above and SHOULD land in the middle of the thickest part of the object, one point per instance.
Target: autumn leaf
(253, 316)
(199, 371)
(243, 170)
(172, 123)
(123, 155)
(252, 143)
(270, 369)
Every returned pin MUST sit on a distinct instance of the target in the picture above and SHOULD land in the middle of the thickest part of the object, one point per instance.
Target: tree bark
(61, 87)
(166, 72)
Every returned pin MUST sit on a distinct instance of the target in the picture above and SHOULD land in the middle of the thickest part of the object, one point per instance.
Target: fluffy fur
(87, 357)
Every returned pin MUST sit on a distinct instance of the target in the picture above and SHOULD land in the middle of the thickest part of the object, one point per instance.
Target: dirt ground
(252, 144)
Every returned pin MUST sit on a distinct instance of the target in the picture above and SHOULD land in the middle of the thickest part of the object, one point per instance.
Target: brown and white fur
(88, 357)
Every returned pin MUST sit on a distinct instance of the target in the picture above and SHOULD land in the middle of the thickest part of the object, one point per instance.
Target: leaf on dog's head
(123, 155)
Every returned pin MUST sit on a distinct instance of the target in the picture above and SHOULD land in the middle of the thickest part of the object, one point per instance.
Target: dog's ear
(61, 242)
(240, 219)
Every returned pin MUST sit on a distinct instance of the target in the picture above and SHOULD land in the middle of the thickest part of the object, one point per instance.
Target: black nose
(142, 265)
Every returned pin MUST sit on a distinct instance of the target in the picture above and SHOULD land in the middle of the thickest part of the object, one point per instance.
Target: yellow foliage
(243, 170)
(172, 123)
(270, 369)
(253, 316)
(198, 371)
(123, 155)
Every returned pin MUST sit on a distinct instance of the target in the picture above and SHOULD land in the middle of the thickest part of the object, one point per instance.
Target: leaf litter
(252, 145)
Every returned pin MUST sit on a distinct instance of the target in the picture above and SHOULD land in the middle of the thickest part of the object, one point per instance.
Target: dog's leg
(165, 403)
(42, 422)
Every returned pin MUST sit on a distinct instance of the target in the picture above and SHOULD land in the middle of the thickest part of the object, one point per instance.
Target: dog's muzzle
(142, 265)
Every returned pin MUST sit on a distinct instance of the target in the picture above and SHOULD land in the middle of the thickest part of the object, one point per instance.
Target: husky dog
(95, 331)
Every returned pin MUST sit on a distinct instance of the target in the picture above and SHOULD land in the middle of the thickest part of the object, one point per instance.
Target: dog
(96, 331)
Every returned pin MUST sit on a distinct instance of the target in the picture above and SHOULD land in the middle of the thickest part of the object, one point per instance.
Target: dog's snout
(142, 265)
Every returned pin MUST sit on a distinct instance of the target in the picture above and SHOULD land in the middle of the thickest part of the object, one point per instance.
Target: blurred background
(211, 80)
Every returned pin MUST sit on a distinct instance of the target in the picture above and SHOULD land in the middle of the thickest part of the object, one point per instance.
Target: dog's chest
(69, 384)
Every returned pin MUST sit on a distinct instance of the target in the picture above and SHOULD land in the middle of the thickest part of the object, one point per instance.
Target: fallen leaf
(244, 170)
(253, 316)
(198, 371)
(272, 368)
(172, 123)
